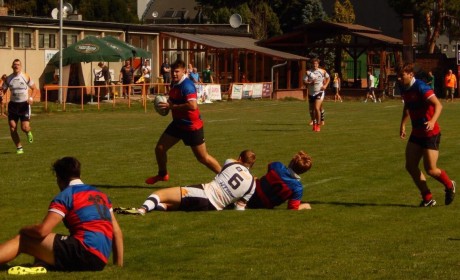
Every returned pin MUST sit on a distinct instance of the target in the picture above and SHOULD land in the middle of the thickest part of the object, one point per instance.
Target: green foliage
(364, 222)
(313, 11)
(262, 19)
(101, 10)
(343, 12)
(289, 14)
(430, 19)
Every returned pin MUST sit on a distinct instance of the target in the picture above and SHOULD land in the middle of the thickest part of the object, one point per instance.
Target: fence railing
(106, 93)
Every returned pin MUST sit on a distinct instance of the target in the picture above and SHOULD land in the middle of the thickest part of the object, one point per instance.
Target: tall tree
(312, 11)
(289, 13)
(100, 10)
(343, 12)
(258, 14)
(432, 17)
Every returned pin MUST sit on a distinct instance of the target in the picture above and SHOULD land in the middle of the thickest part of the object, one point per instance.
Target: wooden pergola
(353, 39)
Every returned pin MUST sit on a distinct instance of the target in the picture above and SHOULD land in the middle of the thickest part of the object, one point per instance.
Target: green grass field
(365, 222)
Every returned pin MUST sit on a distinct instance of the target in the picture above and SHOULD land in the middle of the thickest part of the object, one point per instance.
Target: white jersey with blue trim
(233, 183)
(19, 85)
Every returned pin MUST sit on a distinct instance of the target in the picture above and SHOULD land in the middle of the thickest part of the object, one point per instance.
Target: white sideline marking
(226, 120)
(323, 181)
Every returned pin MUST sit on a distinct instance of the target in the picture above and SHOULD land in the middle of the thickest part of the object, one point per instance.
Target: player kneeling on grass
(281, 184)
(234, 184)
(86, 212)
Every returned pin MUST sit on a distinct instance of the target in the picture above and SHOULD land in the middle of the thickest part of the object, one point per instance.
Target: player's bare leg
(414, 154)
(14, 134)
(202, 156)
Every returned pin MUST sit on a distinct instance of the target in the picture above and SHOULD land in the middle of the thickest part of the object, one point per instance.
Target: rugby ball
(156, 103)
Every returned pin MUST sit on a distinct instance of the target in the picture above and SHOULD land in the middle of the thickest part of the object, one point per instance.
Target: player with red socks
(423, 108)
(186, 125)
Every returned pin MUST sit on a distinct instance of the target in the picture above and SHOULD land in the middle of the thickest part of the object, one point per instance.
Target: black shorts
(19, 111)
(430, 143)
(316, 96)
(190, 138)
(193, 198)
(70, 255)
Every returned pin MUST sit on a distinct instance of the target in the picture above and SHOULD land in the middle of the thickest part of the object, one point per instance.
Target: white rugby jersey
(19, 86)
(317, 76)
(230, 185)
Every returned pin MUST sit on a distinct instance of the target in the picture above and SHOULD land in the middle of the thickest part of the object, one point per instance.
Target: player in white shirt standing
(317, 80)
(233, 185)
(19, 106)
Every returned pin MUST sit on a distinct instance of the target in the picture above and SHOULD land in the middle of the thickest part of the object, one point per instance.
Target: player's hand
(164, 105)
(30, 101)
(429, 125)
(304, 206)
(402, 133)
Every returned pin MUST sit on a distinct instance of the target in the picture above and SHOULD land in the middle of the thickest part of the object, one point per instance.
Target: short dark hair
(178, 64)
(406, 68)
(67, 168)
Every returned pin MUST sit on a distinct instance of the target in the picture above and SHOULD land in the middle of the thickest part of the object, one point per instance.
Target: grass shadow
(126, 187)
(360, 204)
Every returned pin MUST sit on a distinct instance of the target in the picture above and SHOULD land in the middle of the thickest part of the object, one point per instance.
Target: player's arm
(326, 81)
(117, 242)
(404, 118)
(190, 105)
(40, 231)
(34, 90)
(240, 205)
(293, 204)
(433, 100)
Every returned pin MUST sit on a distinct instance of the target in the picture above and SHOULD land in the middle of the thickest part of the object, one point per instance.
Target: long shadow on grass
(358, 204)
(127, 187)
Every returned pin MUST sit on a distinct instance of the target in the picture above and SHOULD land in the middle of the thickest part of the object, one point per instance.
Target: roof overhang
(229, 43)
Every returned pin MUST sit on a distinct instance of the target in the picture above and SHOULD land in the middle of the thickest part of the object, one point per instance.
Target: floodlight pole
(60, 51)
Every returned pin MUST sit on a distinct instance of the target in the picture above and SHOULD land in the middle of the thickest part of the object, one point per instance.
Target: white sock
(161, 207)
(151, 202)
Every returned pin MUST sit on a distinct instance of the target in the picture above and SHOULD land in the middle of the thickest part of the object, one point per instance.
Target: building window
(22, 40)
(16, 40)
(52, 41)
(27, 40)
(2, 39)
(64, 41)
(41, 41)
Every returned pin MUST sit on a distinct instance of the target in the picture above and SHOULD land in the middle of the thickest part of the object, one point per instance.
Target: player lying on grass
(86, 212)
(281, 184)
(234, 184)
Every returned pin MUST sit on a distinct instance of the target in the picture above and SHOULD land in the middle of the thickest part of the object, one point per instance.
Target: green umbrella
(91, 49)
(138, 52)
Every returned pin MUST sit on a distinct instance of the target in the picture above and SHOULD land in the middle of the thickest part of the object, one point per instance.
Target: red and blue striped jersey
(274, 188)
(420, 111)
(181, 93)
(87, 216)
